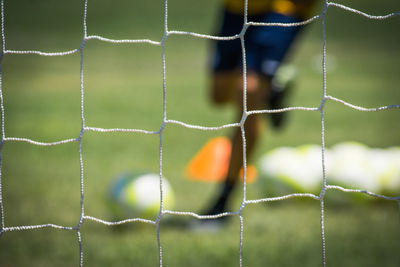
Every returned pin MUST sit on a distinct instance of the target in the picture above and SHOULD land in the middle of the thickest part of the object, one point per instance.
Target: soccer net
(87, 37)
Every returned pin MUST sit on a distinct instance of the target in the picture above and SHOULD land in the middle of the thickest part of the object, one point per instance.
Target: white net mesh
(320, 18)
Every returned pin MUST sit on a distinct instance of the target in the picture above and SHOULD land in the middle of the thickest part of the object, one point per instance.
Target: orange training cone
(211, 163)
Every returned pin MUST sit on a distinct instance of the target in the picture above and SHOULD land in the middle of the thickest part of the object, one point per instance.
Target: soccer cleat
(281, 86)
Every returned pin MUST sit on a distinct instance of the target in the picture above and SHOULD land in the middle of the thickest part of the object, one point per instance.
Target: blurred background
(123, 89)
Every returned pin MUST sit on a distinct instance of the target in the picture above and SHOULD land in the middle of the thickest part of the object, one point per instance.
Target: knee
(253, 83)
(257, 90)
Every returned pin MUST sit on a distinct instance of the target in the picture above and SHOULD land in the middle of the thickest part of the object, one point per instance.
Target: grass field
(123, 89)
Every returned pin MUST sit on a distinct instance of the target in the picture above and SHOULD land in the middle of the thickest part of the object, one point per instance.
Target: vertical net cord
(323, 190)
(82, 215)
(3, 47)
(80, 248)
(242, 129)
(164, 120)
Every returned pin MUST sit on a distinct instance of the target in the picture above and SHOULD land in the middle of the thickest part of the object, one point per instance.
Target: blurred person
(266, 48)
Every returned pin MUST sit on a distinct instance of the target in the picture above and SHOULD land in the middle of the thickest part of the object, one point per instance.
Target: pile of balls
(351, 165)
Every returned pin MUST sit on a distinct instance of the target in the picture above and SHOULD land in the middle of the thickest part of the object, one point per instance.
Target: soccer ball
(292, 170)
(360, 167)
(138, 195)
(352, 167)
(389, 177)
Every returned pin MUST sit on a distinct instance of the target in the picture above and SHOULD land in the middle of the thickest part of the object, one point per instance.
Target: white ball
(353, 167)
(360, 167)
(293, 169)
(138, 195)
(386, 165)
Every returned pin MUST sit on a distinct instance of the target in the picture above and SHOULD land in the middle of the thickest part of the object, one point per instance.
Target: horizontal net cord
(122, 41)
(362, 108)
(294, 195)
(116, 223)
(203, 128)
(262, 111)
(198, 216)
(327, 187)
(204, 36)
(110, 223)
(126, 130)
(352, 10)
(27, 140)
(328, 97)
(340, 188)
(39, 226)
(284, 24)
(41, 53)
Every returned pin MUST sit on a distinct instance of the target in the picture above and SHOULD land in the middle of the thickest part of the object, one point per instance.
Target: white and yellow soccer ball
(287, 170)
(137, 195)
(357, 166)
(389, 173)
(351, 167)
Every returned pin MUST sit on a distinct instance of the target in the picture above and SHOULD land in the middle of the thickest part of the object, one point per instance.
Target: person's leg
(224, 86)
(256, 93)
(227, 87)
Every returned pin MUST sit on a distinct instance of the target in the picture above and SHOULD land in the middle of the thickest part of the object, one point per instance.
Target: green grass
(123, 89)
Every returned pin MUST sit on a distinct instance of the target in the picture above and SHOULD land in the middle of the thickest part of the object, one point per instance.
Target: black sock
(222, 199)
